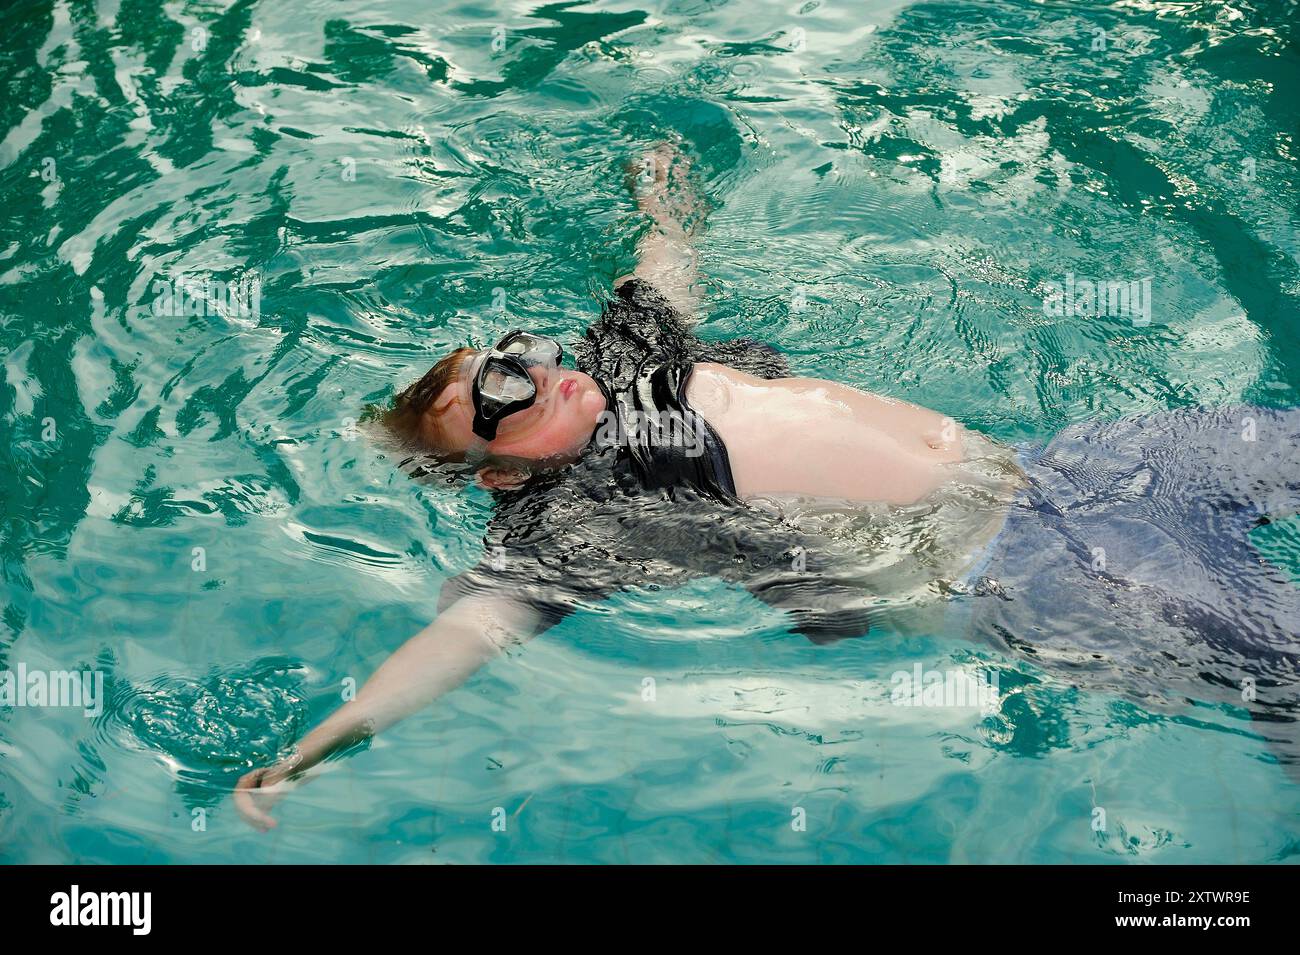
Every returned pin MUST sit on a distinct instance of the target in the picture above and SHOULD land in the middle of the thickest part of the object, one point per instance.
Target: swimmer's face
(550, 433)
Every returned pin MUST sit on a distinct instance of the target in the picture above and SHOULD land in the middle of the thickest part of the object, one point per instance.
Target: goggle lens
(530, 349)
(502, 385)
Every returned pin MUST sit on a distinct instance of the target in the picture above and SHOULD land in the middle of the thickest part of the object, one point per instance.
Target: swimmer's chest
(801, 436)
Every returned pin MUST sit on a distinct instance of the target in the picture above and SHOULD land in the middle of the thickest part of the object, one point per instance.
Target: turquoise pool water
(895, 184)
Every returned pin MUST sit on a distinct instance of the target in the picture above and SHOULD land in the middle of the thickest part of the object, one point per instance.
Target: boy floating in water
(664, 456)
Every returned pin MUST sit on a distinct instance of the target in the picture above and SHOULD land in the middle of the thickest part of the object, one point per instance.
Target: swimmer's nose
(544, 379)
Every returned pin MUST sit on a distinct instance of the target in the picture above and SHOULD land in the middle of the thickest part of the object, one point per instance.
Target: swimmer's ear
(501, 479)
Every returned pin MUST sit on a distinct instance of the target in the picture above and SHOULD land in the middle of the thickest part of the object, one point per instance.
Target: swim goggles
(502, 385)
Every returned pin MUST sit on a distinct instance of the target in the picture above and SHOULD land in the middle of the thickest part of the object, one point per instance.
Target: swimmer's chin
(589, 414)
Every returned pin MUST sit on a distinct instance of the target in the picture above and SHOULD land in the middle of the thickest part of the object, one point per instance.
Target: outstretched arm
(439, 658)
(665, 255)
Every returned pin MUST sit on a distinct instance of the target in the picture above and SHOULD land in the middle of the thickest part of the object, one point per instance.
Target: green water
(894, 185)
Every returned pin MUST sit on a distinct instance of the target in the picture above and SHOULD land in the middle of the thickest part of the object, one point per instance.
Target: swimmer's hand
(257, 792)
(439, 658)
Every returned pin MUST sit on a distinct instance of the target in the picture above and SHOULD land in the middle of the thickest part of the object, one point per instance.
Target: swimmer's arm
(666, 254)
(436, 660)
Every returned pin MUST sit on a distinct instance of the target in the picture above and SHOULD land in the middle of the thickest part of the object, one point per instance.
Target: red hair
(412, 416)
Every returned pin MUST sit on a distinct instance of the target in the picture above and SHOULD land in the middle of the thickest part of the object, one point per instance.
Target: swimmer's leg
(1170, 500)
(666, 256)
(818, 607)
(1261, 455)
